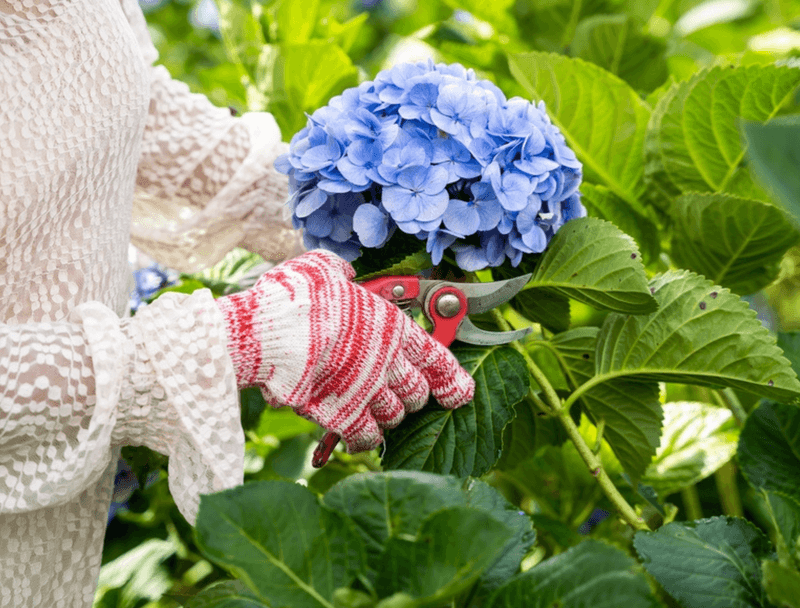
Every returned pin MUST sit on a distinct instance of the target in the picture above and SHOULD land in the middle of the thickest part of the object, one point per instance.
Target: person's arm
(72, 391)
(206, 181)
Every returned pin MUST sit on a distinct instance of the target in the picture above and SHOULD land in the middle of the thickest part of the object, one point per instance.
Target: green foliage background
(640, 326)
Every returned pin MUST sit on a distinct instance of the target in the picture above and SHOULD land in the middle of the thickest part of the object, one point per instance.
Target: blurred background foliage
(291, 56)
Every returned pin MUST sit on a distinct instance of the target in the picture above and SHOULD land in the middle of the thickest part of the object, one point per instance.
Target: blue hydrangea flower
(431, 150)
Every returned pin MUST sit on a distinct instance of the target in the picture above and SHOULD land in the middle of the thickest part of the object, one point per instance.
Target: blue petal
(432, 207)
(320, 222)
(334, 186)
(282, 164)
(311, 203)
(371, 225)
(461, 217)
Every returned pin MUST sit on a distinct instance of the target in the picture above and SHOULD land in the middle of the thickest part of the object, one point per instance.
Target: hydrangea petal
(308, 205)
(371, 225)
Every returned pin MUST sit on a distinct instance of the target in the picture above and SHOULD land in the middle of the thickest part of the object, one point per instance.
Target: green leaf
(735, 242)
(400, 253)
(139, 574)
(697, 439)
(789, 342)
(283, 423)
(769, 449)
(296, 19)
(616, 43)
(600, 202)
(481, 495)
(496, 13)
(227, 594)
(467, 440)
(294, 553)
(389, 505)
(600, 115)
(701, 334)
(242, 34)
(782, 584)
(693, 140)
(584, 575)
(631, 410)
(785, 515)
(383, 505)
(452, 549)
(529, 431)
(708, 563)
(594, 262)
(295, 79)
(774, 153)
(549, 308)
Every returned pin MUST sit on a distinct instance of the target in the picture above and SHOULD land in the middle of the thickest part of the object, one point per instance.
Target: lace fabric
(99, 148)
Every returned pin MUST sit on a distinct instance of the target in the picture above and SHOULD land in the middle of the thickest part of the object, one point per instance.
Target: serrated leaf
(481, 495)
(631, 410)
(785, 515)
(708, 563)
(294, 553)
(227, 594)
(526, 433)
(296, 20)
(593, 261)
(581, 576)
(399, 247)
(735, 242)
(411, 264)
(549, 308)
(452, 548)
(616, 43)
(467, 440)
(701, 334)
(774, 153)
(394, 504)
(782, 584)
(600, 202)
(693, 141)
(789, 342)
(697, 439)
(601, 117)
(769, 449)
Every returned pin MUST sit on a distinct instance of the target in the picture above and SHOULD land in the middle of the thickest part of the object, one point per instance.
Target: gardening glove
(338, 354)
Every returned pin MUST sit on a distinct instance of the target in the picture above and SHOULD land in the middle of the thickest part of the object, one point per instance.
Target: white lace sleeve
(73, 391)
(206, 181)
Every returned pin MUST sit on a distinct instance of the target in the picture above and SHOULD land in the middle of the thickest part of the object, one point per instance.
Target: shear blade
(486, 296)
(469, 333)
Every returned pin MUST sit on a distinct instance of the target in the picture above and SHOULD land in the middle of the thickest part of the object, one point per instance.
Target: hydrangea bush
(436, 152)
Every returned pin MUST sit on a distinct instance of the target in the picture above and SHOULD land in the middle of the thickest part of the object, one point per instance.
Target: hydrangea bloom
(432, 151)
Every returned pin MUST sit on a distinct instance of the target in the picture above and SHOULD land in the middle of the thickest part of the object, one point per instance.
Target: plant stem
(731, 401)
(728, 490)
(552, 405)
(691, 503)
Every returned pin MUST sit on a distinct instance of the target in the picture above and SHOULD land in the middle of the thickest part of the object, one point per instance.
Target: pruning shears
(446, 305)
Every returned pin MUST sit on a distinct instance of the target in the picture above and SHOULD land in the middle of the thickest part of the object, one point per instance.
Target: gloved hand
(338, 354)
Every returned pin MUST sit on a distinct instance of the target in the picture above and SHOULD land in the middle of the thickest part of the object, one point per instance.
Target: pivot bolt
(448, 305)
(398, 291)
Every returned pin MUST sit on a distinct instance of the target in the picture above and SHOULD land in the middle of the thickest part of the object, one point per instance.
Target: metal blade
(481, 296)
(467, 332)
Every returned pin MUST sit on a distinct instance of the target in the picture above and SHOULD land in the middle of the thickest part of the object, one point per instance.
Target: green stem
(731, 401)
(691, 503)
(552, 404)
(728, 490)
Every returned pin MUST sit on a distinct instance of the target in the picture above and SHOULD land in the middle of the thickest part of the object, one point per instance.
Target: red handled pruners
(446, 305)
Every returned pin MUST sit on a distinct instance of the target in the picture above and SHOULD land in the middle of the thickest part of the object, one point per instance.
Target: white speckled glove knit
(338, 354)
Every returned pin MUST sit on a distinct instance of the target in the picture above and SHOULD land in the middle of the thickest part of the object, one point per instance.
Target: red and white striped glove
(338, 354)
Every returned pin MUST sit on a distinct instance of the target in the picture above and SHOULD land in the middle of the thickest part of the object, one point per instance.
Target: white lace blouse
(98, 148)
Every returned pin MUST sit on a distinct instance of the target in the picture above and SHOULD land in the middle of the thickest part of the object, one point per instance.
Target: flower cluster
(437, 153)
